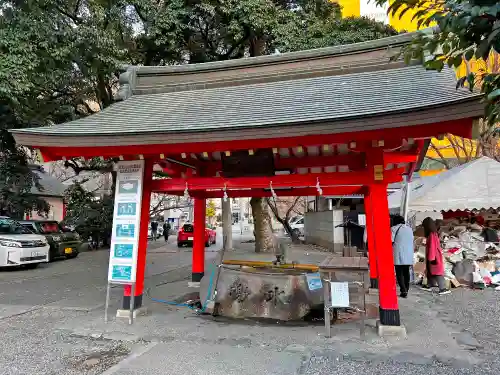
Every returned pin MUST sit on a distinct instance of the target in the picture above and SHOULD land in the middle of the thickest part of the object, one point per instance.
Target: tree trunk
(263, 231)
(227, 224)
(323, 204)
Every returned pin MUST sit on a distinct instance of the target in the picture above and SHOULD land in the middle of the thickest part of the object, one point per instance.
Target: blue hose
(203, 307)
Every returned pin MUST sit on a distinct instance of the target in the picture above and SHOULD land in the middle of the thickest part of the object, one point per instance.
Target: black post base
(389, 317)
(374, 283)
(197, 276)
(137, 302)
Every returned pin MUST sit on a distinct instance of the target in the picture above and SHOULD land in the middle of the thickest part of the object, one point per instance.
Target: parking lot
(37, 306)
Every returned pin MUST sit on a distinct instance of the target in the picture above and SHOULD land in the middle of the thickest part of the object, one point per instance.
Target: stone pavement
(52, 322)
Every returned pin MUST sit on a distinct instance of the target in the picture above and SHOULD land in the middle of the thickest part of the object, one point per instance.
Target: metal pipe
(261, 264)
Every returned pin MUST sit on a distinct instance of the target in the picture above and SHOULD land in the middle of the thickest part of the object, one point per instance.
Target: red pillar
(371, 241)
(388, 299)
(198, 267)
(143, 239)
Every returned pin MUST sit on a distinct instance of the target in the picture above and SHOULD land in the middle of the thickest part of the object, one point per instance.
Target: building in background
(52, 191)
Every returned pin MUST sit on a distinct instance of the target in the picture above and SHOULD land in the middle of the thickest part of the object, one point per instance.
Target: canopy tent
(470, 186)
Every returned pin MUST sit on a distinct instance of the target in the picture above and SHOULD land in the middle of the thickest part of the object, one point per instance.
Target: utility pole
(242, 208)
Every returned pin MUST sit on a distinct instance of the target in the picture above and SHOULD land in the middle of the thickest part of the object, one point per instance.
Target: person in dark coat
(154, 230)
(166, 230)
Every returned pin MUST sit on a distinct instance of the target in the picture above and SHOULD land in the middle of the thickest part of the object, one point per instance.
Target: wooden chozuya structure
(339, 120)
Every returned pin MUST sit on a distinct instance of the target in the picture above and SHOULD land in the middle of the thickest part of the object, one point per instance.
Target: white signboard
(339, 294)
(126, 222)
(369, 9)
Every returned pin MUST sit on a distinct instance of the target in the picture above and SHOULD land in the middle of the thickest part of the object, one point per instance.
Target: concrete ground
(52, 322)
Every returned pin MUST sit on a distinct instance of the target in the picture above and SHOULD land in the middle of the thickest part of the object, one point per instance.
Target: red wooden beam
(401, 157)
(261, 193)
(461, 128)
(283, 181)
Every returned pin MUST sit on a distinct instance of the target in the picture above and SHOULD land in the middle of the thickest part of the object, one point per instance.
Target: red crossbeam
(400, 157)
(261, 193)
(305, 180)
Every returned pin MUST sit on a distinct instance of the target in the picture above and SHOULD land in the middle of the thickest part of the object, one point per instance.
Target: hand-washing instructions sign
(125, 231)
(314, 281)
(339, 294)
(123, 251)
(127, 209)
(126, 221)
(122, 273)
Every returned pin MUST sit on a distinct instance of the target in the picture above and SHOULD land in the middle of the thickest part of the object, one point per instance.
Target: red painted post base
(197, 276)
(137, 302)
(389, 317)
(374, 283)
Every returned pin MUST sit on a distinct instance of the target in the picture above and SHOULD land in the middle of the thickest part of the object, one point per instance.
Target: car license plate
(35, 254)
(68, 250)
(190, 238)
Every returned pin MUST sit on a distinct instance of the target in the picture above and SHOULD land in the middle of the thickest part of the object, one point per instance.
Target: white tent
(475, 185)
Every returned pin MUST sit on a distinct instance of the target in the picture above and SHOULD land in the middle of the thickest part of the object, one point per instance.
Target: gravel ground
(32, 344)
(472, 315)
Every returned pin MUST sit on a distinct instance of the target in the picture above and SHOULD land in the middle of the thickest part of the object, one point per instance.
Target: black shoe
(404, 295)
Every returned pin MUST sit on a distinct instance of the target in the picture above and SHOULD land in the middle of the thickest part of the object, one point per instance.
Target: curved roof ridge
(129, 78)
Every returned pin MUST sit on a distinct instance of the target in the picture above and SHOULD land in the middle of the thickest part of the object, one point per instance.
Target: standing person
(166, 230)
(154, 230)
(434, 263)
(402, 250)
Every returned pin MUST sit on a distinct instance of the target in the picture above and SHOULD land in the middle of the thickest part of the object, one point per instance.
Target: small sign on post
(339, 294)
(126, 223)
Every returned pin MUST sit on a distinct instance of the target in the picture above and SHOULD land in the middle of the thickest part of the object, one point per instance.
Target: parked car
(297, 226)
(185, 236)
(63, 242)
(19, 246)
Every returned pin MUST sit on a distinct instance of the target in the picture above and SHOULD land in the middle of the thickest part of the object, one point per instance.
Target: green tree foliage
(467, 29)
(91, 217)
(60, 59)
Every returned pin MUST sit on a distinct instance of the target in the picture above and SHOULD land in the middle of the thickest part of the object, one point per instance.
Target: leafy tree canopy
(60, 59)
(91, 217)
(467, 29)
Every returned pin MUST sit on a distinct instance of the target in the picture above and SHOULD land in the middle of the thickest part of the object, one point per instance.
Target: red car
(186, 235)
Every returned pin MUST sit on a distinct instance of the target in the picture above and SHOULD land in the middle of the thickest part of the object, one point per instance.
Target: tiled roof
(51, 186)
(299, 101)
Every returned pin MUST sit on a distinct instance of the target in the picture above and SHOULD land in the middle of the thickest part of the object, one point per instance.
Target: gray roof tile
(269, 104)
(51, 186)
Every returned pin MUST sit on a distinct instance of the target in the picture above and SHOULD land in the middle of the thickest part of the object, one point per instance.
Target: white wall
(369, 9)
(319, 228)
(56, 210)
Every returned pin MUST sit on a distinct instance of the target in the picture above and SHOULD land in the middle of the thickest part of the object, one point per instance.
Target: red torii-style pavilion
(346, 119)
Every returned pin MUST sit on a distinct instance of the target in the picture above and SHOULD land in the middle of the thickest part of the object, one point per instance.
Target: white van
(20, 247)
(297, 225)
